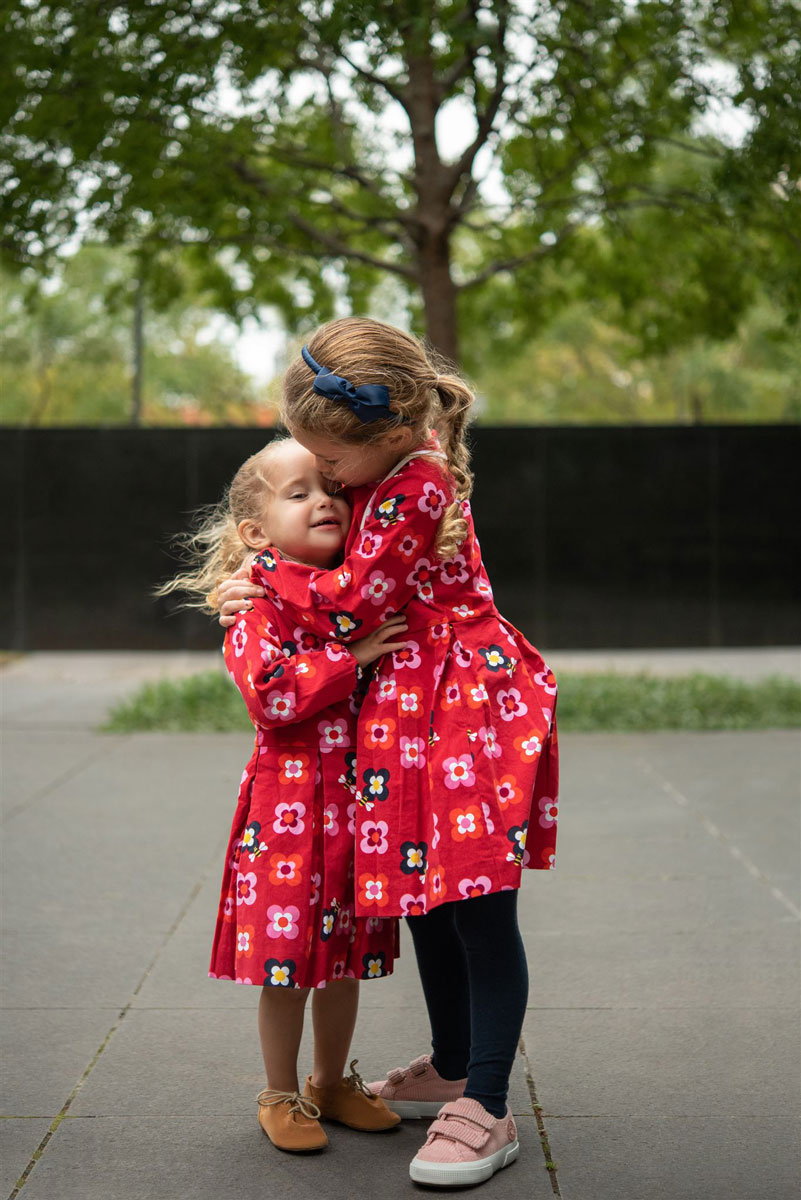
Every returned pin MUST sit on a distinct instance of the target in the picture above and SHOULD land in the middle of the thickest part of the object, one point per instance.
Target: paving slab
(44, 1053)
(182, 1158)
(18, 1141)
(681, 1158)
(715, 1062)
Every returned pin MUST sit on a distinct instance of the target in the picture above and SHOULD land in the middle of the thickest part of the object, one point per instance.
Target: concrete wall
(593, 536)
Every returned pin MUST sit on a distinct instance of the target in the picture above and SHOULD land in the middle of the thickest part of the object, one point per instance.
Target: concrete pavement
(661, 1039)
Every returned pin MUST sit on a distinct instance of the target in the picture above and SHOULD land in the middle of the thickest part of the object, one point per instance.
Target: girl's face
(352, 465)
(301, 518)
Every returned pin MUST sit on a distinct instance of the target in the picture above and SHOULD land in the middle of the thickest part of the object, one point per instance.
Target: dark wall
(593, 537)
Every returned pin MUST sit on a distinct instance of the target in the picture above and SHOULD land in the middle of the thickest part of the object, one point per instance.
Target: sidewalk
(661, 1035)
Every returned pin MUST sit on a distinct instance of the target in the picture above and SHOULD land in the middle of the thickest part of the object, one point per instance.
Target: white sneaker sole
(409, 1109)
(463, 1174)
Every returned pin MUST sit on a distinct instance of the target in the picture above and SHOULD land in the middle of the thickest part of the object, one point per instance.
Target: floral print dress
(456, 754)
(286, 915)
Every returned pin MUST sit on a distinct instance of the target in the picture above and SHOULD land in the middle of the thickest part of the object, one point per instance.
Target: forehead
(291, 460)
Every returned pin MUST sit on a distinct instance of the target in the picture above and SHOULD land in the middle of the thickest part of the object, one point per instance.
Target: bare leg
(334, 1010)
(280, 1028)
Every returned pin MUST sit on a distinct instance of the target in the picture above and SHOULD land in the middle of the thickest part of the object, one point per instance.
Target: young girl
(456, 758)
(286, 918)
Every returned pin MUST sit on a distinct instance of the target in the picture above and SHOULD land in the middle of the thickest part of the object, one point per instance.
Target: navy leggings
(475, 981)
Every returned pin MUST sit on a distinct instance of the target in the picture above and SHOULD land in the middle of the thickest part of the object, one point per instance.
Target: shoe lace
(297, 1102)
(355, 1081)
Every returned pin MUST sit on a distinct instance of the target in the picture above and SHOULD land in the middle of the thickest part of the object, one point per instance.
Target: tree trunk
(439, 297)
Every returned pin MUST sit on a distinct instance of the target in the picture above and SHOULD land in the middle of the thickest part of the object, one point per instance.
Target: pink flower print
(478, 695)
(352, 819)
(228, 908)
(412, 751)
(369, 544)
(330, 823)
(315, 888)
(454, 570)
(289, 818)
(425, 593)
(333, 735)
(385, 685)
(412, 906)
(545, 679)
(435, 835)
(452, 696)
(511, 704)
(344, 920)
(407, 547)
(548, 856)
(459, 772)
(374, 924)
(239, 638)
(246, 888)
(343, 579)
(482, 585)
(335, 651)
(282, 920)
(468, 888)
(411, 700)
(409, 656)
(549, 810)
(304, 639)
(485, 808)
(463, 656)
(437, 632)
(489, 737)
(338, 969)
(378, 587)
(437, 883)
(269, 652)
(424, 572)
(374, 837)
(244, 940)
(281, 705)
(432, 501)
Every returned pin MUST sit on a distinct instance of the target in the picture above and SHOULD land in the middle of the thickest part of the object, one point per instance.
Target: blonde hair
(214, 549)
(423, 395)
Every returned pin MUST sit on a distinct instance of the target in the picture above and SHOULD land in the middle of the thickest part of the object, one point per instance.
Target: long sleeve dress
(456, 760)
(287, 916)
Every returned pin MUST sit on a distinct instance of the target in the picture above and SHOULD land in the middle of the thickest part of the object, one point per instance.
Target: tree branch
(511, 264)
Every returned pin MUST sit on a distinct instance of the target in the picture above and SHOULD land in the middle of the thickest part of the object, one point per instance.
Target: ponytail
(455, 399)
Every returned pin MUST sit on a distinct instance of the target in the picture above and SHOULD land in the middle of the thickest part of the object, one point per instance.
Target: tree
(309, 135)
(66, 349)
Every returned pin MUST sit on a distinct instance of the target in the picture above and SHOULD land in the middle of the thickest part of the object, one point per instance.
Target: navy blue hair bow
(369, 403)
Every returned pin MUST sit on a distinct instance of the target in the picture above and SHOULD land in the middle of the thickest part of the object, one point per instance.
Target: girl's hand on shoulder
(383, 640)
(235, 595)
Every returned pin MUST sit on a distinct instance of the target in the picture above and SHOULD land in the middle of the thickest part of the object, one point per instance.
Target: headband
(369, 403)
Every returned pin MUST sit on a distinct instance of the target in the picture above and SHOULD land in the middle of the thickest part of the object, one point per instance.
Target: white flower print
(239, 638)
(412, 752)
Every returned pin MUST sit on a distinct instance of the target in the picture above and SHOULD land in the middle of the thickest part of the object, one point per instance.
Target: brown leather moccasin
(291, 1121)
(351, 1103)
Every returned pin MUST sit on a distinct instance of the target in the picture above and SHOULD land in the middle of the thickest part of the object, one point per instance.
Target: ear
(401, 438)
(253, 535)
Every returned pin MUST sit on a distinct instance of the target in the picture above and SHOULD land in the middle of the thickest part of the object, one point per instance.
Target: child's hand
(382, 641)
(234, 595)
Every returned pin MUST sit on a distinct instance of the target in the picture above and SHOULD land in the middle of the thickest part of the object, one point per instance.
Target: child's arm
(281, 685)
(384, 569)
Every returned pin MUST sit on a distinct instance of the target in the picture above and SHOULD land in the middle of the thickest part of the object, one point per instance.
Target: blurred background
(593, 210)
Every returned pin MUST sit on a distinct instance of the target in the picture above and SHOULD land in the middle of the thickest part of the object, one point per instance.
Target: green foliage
(66, 347)
(609, 703)
(308, 142)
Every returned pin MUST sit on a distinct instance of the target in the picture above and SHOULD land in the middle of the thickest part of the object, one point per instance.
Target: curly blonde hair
(214, 549)
(423, 392)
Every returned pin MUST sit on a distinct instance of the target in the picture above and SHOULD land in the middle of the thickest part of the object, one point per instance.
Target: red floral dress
(456, 760)
(286, 915)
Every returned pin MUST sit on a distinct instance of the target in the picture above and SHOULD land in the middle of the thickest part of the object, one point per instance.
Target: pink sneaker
(417, 1090)
(465, 1145)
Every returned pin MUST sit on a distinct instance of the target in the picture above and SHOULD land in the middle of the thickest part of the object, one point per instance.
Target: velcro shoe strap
(457, 1129)
(396, 1075)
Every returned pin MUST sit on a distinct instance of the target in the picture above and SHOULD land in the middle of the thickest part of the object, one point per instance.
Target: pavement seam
(62, 1115)
(717, 833)
(550, 1165)
(69, 774)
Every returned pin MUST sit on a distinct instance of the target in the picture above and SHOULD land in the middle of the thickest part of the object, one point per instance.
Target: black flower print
(345, 624)
(374, 965)
(266, 559)
(289, 648)
(329, 917)
(376, 785)
(495, 658)
(413, 857)
(517, 836)
(388, 511)
(251, 843)
(279, 973)
(273, 672)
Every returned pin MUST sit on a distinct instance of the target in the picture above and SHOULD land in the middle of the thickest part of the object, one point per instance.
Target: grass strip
(604, 703)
